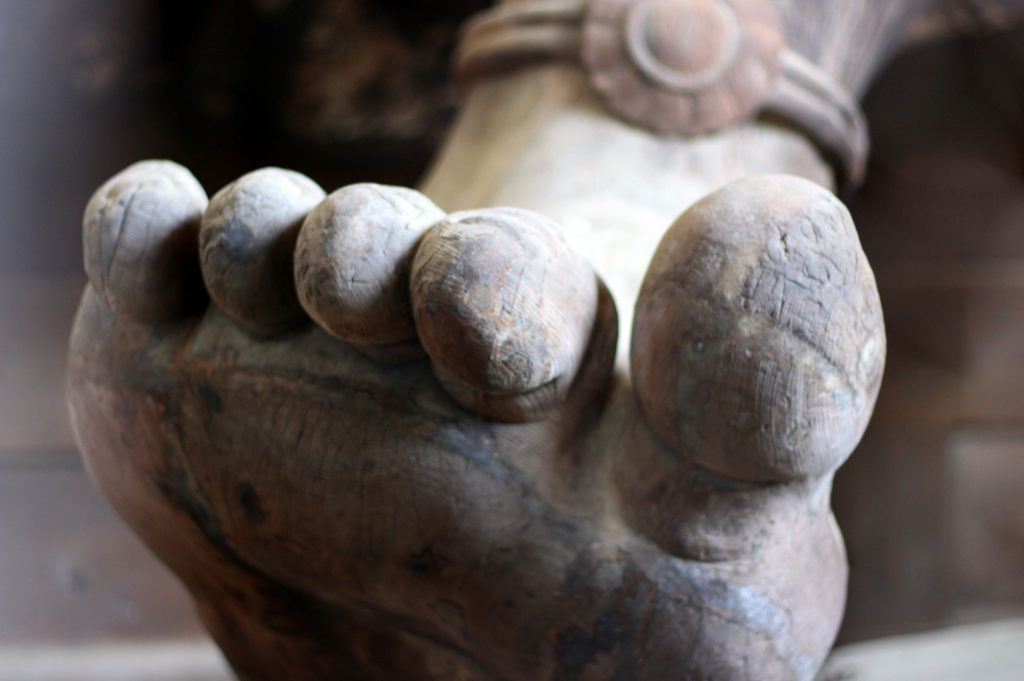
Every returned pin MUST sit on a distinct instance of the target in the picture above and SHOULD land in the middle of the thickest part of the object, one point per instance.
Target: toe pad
(758, 342)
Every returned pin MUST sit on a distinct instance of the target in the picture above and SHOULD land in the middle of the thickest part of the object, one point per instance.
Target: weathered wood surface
(514, 508)
(295, 476)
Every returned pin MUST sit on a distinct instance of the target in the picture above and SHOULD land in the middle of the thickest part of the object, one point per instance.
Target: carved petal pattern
(687, 67)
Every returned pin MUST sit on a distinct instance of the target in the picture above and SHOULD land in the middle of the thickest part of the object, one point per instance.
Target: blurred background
(931, 504)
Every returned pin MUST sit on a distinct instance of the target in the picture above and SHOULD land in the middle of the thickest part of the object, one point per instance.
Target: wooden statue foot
(444, 477)
(518, 430)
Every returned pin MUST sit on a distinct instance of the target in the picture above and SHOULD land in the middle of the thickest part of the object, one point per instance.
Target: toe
(505, 309)
(139, 241)
(758, 342)
(352, 266)
(247, 243)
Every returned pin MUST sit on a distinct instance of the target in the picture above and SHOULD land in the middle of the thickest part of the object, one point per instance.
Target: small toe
(758, 341)
(247, 245)
(352, 266)
(505, 309)
(139, 241)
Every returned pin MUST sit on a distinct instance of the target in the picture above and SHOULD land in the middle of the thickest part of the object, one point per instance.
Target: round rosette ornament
(685, 67)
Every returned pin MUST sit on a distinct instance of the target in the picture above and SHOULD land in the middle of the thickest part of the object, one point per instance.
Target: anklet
(682, 67)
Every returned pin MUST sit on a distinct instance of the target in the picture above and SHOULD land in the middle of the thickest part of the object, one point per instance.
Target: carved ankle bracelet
(682, 67)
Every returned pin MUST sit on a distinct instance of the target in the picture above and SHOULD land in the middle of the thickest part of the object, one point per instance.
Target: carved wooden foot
(443, 478)
(382, 439)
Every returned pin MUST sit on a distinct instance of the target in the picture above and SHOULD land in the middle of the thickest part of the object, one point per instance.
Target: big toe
(758, 342)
